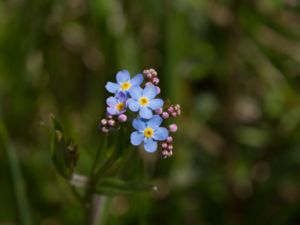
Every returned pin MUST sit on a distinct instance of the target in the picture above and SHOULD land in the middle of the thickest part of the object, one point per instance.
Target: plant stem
(17, 179)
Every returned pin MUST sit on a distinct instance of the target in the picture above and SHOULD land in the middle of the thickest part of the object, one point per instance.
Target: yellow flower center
(148, 132)
(120, 106)
(125, 86)
(144, 101)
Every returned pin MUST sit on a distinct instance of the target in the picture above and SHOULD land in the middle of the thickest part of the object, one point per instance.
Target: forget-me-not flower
(124, 82)
(144, 101)
(149, 132)
(117, 105)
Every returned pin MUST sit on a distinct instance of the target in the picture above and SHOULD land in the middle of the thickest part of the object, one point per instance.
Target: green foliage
(64, 152)
(114, 186)
(232, 65)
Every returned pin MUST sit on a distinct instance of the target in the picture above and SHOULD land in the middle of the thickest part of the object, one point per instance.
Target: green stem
(17, 179)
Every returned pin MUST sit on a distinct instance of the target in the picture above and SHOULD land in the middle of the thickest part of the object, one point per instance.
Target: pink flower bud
(174, 114)
(171, 109)
(164, 145)
(158, 89)
(177, 107)
(122, 118)
(165, 115)
(159, 111)
(112, 123)
(169, 139)
(155, 81)
(179, 112)
(173, 128)
(103, 122)
(170, 147)
(104, 130)
(149, 76)
(165, 154)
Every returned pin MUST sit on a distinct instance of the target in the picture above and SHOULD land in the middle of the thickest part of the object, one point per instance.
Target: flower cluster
(139, 95)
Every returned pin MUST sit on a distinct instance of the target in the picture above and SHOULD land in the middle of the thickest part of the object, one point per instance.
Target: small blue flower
(149, 132)
(143, 100)
(124, 83)
(117, 105)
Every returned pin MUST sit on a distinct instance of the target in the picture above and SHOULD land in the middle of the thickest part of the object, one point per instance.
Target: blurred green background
(233, 65)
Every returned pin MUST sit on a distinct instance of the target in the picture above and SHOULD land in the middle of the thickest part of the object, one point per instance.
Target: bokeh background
(233, 65)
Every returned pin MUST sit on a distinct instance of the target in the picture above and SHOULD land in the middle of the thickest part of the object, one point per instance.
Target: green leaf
(114, 186)
(64, 152)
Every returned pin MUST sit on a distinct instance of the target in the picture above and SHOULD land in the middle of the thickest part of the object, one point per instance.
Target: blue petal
(123, 76)
(136, 92)
(111, 101)
(154, 122)
(156, 103)
(122, 96)
(133, 105)
(139, 124)
(150, 91)
(161, 134)
(146, 113)
(112, 111)
(137, 80)
(150, 145)
(136, 138)
(112, 87)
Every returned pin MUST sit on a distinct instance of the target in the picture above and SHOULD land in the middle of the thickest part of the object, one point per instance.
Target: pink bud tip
(164, 145)
(111, 123)
(171, 109)
(173, 128)
(159, 111)
(103, 122)
(158, 89)
(104, 130)
(122, 118)
(170, 147)
(155, 81)
(177, 107)
(165, 115)
(149, 76)
(174, 114)
(169, 139)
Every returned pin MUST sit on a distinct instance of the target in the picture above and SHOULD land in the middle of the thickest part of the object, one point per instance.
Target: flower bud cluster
(167, 147)
(151, 76)
(109, 122)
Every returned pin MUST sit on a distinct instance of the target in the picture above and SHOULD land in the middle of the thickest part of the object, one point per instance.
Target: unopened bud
(171, 109)
(169, 139)
(159, 111)
(122, 118)
(155, 81)
(164, 145)
(165, 115)
(158, 89)
(103, 122)
(112, 123)
(104, 130)
(173, 128)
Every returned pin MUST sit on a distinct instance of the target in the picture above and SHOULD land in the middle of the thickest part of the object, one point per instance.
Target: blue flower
(124, 83)
(117, 105)
(149, 132)
(143, 100)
